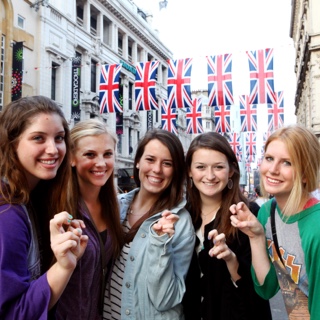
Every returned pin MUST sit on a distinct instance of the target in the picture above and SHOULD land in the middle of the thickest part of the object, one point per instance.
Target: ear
(137, 166)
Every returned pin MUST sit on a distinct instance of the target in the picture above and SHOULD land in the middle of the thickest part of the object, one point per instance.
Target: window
(54, 80)
(130, 95)
(20, 22)
(93, 76)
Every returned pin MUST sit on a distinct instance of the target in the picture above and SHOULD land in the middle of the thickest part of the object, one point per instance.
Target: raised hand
(67, 245)
(243, 219)
(166, 224)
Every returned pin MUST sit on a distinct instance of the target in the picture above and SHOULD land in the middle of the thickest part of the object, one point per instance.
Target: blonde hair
(108, 193)
(304, 150)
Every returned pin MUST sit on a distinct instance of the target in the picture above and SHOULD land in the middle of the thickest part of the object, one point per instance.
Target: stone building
(305, 32)
(65, 43)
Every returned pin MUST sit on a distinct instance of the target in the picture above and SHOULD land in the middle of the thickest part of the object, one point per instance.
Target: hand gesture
(67, 246)
(245, 220)
(166, 224)
(220, 249)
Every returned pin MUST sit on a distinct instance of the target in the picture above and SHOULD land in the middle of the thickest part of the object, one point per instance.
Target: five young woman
(149, 276)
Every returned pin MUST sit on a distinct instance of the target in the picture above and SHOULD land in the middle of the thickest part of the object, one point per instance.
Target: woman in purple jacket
(34, 168)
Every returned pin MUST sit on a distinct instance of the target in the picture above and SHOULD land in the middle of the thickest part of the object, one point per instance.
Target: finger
(212, 234)
(76, 223)
(233, 209)
(166, 213)
(58, 221)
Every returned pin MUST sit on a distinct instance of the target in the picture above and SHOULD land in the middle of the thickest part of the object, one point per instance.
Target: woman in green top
(289, 171)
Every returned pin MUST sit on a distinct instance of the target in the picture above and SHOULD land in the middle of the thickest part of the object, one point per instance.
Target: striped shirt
(112, 297)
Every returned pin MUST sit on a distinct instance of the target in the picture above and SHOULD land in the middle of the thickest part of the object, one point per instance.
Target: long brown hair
(108, 194)
(214, 141)
(173, 194)
(15, 118)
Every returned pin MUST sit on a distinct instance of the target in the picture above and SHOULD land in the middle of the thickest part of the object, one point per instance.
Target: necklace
(204, 216)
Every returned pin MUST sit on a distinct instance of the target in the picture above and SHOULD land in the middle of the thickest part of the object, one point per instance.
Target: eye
(287, 163)
(38, 138)
(89, 155)
(167, 164)
(200, 167)
(108, 154)
(59, 138)
(219, 167)
(268, 159)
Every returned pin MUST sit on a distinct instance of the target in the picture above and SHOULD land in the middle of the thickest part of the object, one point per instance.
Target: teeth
(98, 173)
(273, 181)
(209, 184)
(48, 161)
(155, 180)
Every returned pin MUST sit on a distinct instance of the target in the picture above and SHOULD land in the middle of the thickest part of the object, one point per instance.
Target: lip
(49, 162)
(155, 180)
(273, 181)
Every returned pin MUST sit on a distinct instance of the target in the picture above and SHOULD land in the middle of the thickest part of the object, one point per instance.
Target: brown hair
(214, 141)
(173, 194)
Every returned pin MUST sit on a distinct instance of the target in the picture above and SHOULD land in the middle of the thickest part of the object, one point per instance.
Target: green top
(299, 244)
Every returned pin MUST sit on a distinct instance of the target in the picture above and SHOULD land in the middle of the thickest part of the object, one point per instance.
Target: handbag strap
(273, 227)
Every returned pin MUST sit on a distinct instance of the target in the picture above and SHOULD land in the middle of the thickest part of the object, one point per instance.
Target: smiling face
(94, 158)
(210, 172)
(41, 148)
(277, 174)
(155, 168)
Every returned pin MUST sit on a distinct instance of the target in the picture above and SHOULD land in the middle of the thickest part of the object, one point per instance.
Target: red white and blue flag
(109, 89)
(168, 117)
(145, 86)
(194, 117)
(222, 118)
(248, 114)
(220, 91)
(261, 76)
(251, 139)
(235, 143)
(276, 113)
(179, 83)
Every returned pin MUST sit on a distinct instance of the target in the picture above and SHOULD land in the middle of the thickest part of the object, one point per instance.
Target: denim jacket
(154, 279)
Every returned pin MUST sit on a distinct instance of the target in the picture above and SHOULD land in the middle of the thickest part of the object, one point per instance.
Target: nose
(274, 168)
(157, 167)
(210, 174)
(51, 147)
(100, 161)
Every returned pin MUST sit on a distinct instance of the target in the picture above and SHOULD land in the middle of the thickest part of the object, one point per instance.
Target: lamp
(36, 5)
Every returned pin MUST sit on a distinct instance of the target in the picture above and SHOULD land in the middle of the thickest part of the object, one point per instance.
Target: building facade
(65, 44)
(305, 32)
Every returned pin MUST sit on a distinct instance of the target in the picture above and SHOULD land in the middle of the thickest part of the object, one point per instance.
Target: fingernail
(69, 221)
(70, 216)
(79, 230)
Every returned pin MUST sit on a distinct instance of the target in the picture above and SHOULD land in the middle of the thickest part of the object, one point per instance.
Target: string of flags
(220, 96)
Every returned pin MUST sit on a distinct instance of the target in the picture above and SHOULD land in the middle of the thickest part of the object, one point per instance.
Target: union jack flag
(220, 80)
(109, 89)
(248, 114)
(179, 83)
(251, 139)
(194, 117)
(264, 140)
(222, 118)
(276, 113)
(261, 76)
(248, 166)
(235, 143)
(168, 117)
(145, 86)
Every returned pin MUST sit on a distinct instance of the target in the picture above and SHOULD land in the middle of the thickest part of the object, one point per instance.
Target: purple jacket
(24, 293)
(80, 299)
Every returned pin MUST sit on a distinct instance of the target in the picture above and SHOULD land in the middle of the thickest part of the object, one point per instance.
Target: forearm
(58, 279)
(233, 266)
(260, 259)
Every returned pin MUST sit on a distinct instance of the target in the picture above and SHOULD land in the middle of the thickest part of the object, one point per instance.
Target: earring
(230, 184)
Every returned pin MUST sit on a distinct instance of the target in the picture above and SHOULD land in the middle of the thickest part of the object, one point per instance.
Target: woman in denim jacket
(148, 279)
